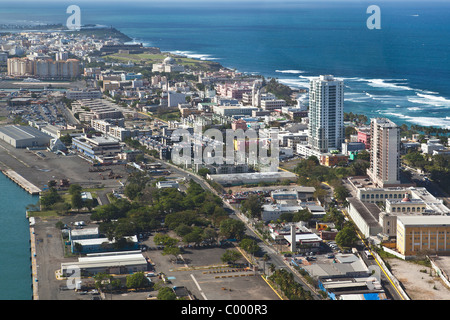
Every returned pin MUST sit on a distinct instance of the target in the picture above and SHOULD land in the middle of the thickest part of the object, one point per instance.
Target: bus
(368, 254)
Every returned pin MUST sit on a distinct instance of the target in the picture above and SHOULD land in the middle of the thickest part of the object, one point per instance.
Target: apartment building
(44, 68)
(385, 152)
(326, 113)
(272, 104)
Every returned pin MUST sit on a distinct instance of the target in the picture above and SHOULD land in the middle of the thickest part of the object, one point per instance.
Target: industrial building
(102, 148)
(24, 136)
(111, 263)
(352, 288)
(366, 216)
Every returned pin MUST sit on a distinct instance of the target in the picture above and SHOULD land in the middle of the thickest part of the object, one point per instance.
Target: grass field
(149, 59)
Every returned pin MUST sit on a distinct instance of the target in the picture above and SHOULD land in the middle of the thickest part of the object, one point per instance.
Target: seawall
(21, 181)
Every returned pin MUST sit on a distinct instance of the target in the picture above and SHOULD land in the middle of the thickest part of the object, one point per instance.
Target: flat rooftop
(424, 220)
(23, 132)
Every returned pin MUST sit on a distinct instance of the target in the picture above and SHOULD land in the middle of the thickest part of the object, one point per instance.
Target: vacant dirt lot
(418, 282)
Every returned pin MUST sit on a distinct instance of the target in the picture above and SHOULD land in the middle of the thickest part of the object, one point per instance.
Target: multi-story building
(419, 234)
(102, 149)
(229, 111)
(385, 152)
(77, 94)
(364, 137)
(175, 98)
(273, 104)
(167, 65)
(18, 67)
(326, 113)
(44, 68)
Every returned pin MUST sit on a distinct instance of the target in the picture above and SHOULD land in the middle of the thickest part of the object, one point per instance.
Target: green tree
(49, 197)
(137, 280)
(347, 237)
(67, 140)
(166, 293)
(249, 245)
(232, 229)
(302, 215)
(133, 191)
(341, 193)
(77, 201)
(252, 206)
(163, 239)
(203, 172)
(231, 256)
(75, 188)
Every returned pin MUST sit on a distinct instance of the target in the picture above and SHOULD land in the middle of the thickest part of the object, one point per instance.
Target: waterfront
(39, 170)
(15, 264)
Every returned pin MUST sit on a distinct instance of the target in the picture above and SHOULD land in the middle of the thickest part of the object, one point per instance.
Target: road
(275, 258)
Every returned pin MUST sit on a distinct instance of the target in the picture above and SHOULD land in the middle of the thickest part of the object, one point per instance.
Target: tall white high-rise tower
(326, 113)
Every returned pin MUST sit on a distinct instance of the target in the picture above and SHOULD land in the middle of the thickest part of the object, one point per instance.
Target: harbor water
(15, 256)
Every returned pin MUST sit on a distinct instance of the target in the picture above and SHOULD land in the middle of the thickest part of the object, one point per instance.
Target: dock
(21, 181)
(33, 261)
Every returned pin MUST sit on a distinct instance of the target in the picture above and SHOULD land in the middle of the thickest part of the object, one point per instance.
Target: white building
(432, 145)
(272, 104)
(228, 111)
(326, 113)
(168, 65)
(76, 94)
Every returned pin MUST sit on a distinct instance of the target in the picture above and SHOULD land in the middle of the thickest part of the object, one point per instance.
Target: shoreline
(21, 181)
(32, 189)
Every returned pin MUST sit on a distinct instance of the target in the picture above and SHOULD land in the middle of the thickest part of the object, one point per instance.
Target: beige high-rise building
(44, 68)
(384, 153)
(19, 67)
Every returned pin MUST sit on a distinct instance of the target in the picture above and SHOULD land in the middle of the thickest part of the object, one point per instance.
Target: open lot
(40, 169)
(202, 272)
(418, 282)
(208, 278)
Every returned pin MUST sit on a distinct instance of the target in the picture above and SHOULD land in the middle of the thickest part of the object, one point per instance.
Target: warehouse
(111, 263)
(24, 136)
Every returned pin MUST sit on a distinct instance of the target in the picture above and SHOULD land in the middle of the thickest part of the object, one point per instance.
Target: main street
(274, 258)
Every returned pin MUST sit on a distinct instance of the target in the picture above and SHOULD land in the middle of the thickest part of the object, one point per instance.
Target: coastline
(33, 189)
(21, 182)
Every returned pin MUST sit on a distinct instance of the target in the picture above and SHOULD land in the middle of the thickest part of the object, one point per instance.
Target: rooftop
(22, 132)
(424, 220)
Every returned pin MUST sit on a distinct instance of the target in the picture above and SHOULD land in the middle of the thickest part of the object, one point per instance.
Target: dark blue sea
(15, 263)
(400, 71)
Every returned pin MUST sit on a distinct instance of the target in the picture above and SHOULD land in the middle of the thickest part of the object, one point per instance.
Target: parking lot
(204, 274)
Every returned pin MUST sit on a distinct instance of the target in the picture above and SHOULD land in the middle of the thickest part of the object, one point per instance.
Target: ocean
(400, 71)
(15, 262)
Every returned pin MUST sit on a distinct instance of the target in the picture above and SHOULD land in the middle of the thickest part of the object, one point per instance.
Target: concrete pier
(21, 181)
(33, 262)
